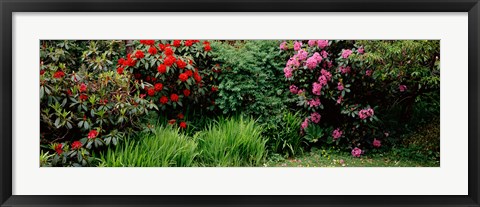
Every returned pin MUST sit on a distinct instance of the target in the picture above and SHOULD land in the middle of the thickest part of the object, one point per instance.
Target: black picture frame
(7, 7)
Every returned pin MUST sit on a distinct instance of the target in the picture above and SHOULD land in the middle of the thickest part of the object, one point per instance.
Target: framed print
(265, 103)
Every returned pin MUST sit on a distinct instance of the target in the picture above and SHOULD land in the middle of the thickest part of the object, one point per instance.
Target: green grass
(231, 142)
(166, 147)
(334, 158)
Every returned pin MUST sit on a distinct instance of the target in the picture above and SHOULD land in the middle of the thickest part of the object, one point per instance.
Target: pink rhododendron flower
(361, 50)
(329, 64)
(317, 89)
(344, 70)
(302, 55)
(294, 89)
(368, 72)
(297, 45)
(322, 43)
(293, 62)
(324, 54)
(402, 88)
(365, 113)
(314, 102)
(300, 91)
(340, 86)
(312, 43)
(317, 57)
(288, 72)
(339, 100)
(356, 152)
(337, 133)
(346, 53)
(315, 117)
(283, 46)
(377, 143)
(327, 74)
(305, 123)
(311, 63)
(322, 80)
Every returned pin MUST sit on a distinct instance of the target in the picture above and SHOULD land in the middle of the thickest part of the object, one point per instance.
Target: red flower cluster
(83, 87)
(189, 73)
(169, 60)
(162, 69)
(186, 92)
(83, 97)
(120, 70)
(92, 134)
(172, 121)
(168, 51)
(42, 72)
(158, 87)
(152, 50)
(177, 43)
(206, 46)
(180, 116)
(163, 100)
(183, 125)
(147, 42)
(139, 54)
(76, 145)
(183, 77)
(174, 97)
(151, 91)
(197, 76)
(181, 64)
(59, 74)
(59, 148)
(214, 89)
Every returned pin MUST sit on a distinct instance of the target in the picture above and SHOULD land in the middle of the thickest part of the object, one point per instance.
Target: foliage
(349, 87)
(231, 142)
(164, 148)
(251, 81)
(283, 134)
(83, 99)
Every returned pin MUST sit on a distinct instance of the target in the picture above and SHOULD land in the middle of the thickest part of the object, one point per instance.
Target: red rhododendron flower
(76, 145)
(189, 73)
(169, 60)
(161, 46)
(181, 64)
(69, 92)
(206, 42)
(83, 87)
(130, 62)
(174, 97)
(120, 70)
(83, 97)
(207, 47)
(162, 69)
(186, 92)
(180, 116)
(92, 134)
(168, 51)
(148, 78)
(151, 91)
(42, 72)
(121, 61)
(177, 43)
(139, 54)
(188, 43)
(183, 125)
(172, 121)
(59, 74)
(147, 42)
(158, 87)
(154, 79)
(183, 77)
(59, 148)
(163, 100)
(214, 88)
(152, 50)
(197, 77)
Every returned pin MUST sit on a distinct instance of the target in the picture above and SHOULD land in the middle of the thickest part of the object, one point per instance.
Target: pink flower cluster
(346, 53)
(314, 102)
(344, 70)
(305, 123)
(315, 117)
(377, 143)
(301, 55)
(294, 89)
(327, 74)
(283, 46)
(360, 50)
(402, 88)
(313, 61)
(368, 72)
(317, 88)
(337, 133)
(356, 152)
(340, 86)
(288, 72)
(297, 45)
(365, 113)
(322, 43)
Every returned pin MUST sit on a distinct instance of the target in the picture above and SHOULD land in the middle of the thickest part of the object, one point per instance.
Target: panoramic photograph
(239, 103)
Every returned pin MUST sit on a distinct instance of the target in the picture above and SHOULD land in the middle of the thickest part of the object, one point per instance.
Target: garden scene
(239, 103)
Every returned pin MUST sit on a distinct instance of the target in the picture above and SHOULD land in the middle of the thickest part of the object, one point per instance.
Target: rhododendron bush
(348, 88)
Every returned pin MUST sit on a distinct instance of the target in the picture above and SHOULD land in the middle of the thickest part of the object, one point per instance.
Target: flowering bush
(173, 74)
(84, 103)
(344, 88)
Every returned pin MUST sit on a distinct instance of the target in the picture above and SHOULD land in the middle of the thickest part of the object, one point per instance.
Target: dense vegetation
(239, 103)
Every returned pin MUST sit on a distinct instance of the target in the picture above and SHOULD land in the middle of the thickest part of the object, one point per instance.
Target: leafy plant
(283, 134)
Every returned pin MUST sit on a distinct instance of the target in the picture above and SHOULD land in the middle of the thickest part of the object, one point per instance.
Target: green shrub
(283, 134)
(164, 148)
(231, 142)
